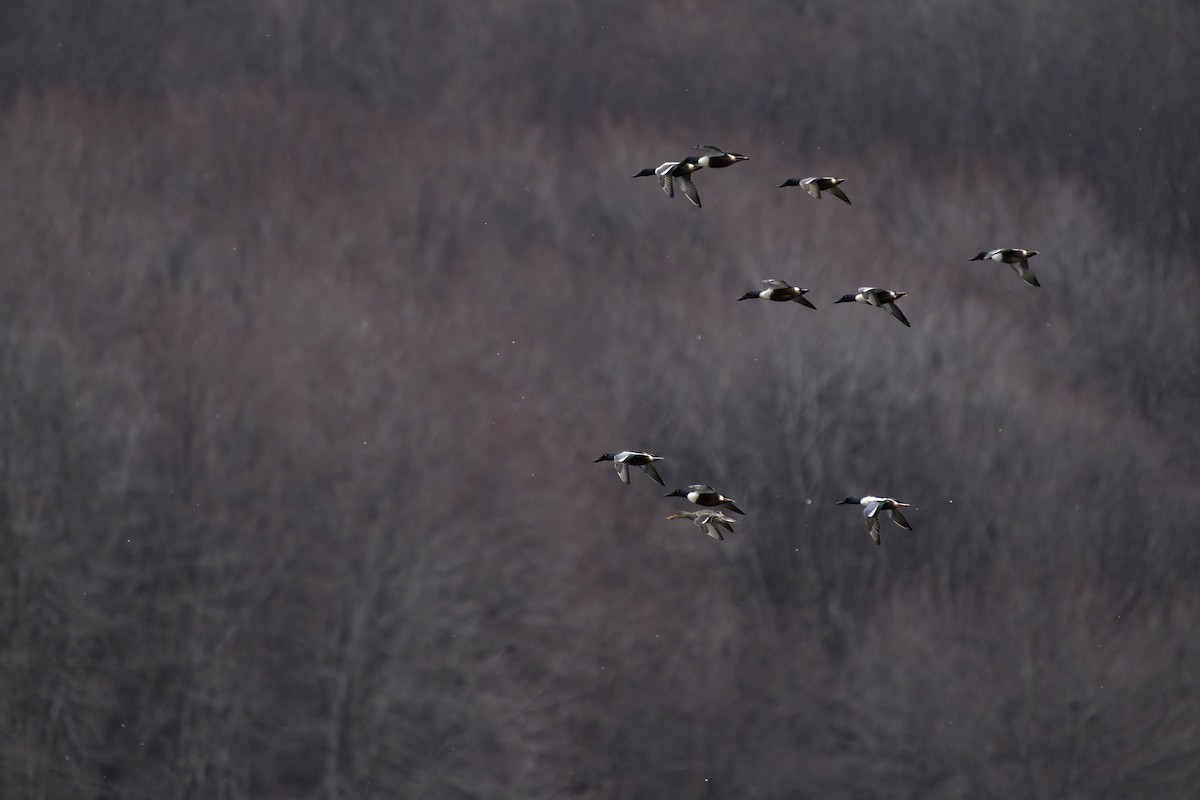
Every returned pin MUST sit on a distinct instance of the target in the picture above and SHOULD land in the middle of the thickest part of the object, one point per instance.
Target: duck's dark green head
(644, 173)
(676, 493)
(980, 257)
(605, 457)
(748, 296)
(789, 182)
(849, 501)
(846, 298)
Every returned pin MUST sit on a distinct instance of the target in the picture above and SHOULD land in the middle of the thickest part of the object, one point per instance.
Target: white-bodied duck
(632, 458)
(710, 522)
(671, 172)
(1018, 258)
(880, 298)
(715, 157)
(780, 292)
(703, 495)
(815, 186)
(873, 507)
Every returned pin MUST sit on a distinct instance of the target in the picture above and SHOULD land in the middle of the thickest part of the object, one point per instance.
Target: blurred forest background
(314, 315)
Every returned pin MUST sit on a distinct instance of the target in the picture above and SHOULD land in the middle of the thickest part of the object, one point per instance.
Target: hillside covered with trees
(314, 316)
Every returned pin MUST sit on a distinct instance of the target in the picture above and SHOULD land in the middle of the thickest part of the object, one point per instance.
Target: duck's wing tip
(689, 189)
(895, 311)
(1022, 269)
(873, 529)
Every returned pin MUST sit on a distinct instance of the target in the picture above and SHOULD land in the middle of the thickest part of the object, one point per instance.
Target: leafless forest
(315, 314)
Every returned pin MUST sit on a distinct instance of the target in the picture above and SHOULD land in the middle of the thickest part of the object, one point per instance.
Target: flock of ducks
(711, 520)
(1012, 255)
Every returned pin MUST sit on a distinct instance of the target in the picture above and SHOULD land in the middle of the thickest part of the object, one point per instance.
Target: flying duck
(1017, 257)
(716, 158)
(627, 458)
(710, 522)
(815, 186)
(703, 495)
(880, 298)
(670, 172)
(872, 506)
(780, 292)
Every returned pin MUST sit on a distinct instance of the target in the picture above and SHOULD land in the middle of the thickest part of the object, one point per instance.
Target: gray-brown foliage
(315, 315)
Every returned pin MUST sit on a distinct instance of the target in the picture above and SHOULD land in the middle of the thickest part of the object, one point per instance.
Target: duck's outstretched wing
(837, 192)
(1022, 268)
(724, 521)
(689, 189)
(710, 527)
(873, 528)
(623, 472)
(899, 519)
(895, 311)
(653, 473)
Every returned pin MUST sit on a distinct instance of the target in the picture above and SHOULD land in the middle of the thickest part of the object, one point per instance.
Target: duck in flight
(710, 522)
(716, 158)
(627, 458)
(671, 172)
(780, 292)
(880, 298)
(1018, 258)
(703, 495)
(873, 507)
(815, 186)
